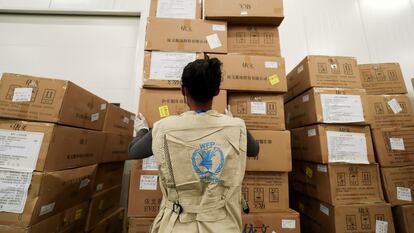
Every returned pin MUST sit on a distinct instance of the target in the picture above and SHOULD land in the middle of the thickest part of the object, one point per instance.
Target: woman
(201, 156)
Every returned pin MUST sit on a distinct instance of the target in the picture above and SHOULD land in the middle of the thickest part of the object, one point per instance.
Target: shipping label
(169, 65)
(149, 164)
(347, 147)
(342, 108)
(148, 182)
(179, 9)
(14, 186)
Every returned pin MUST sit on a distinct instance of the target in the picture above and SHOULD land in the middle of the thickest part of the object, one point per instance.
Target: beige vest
(202, 160)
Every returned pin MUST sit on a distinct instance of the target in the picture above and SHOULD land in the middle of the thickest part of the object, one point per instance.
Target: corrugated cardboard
(186, 35)
(175, 9)
(253, 40)
(139, 225)
(327, 105)
(274, 153)
(261, 12)
(57, 190)
(398, 184)
(282, 222)
(111, 224)
(52, 100)
(323, 71)
(118, 120)
(156, 104)
(266, 191)
(382, 79)
(338, 184)
(394, 146)
(253, 73)
(103, 204)
(404, 218)
(108, 175)
(389, 111)
(333, 143)
(259, 111)
(116, 147)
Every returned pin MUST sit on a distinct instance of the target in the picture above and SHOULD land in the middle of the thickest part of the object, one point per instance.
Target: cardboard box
(274, 153)
(386, 111)
(286, 221)
(323, 71)
(403, 218)
(140, 225)
(50, 100)
(398, 184)
(333, 143)
(108, 175)
(266, 192)
(362, 218)
(115, 148)
(382, 79)
(190, 9)
(103, 204)
(118, 120)
(254, 40)
(186, 35)
(338, 184)
(259, 111)
(114, 223)
(394, 146)
(327, 105)
(253, 73)
(156, 104)
(49, 193)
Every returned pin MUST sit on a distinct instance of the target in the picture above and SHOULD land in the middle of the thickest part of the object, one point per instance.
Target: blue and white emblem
(208, 162)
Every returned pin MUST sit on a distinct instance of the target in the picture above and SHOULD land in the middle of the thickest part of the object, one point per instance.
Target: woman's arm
(141, 145)
(252, 146)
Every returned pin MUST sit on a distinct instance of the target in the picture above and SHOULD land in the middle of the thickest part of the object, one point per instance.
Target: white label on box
(311, 132)
(181, 9)
(148, 182)
(300, 69)
(84, 183)
(95, 117)
(324, 209)
(243, 13)
(397, 144)
(271, 64)
(219, 27)
(103, 106)
(347, 147)
(258, 107)
(22, 94)
(169, 65)
(19, 149)
(342, 108)
(288, 223)
(213, 41)
(404, 194)
(99, 187)
(305, 98)
(395, 106)
(14, 186)
(381, 226)
(149, 164)
(126, 120)
(322, 168)
(47, 208)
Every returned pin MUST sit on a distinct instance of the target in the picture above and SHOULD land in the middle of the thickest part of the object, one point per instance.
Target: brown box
(114, 223)
(156, 104)
(394, 146)
(176, 9)
(57, 147)
(382, 79)
(50, 100)
(102, 205)
(404, 218)
(286, 221)
(108, 175)
(186, 35)
(398, 184)
(253, 40)
(333, 143)
(266, 191)
(327, 105)
(261, 12)
(253, 73)
(259, 111)
(116, 147)
(139, 225)
(389, 111)
(338, 184)
(323, 71)
(274, 153)
(50, 193)
(118, 120)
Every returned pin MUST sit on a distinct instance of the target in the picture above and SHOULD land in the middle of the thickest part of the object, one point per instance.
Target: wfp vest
(202, 160)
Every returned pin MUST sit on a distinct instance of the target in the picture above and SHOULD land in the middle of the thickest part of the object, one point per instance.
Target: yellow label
(309, 172)
(78, 214)
(274, 79)
(164, 112)
(301, 207)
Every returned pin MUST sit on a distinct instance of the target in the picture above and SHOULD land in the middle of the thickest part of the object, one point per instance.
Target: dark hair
(202, 78)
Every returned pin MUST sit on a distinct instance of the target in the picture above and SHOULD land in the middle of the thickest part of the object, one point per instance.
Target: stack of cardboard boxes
(336, 181)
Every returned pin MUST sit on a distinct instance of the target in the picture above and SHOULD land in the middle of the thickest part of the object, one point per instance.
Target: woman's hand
(227, 111)
(140, 122)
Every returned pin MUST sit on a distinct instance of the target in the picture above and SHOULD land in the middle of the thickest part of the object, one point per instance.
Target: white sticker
(19, 149)
(169, 65)
(395, 106)
(347, 147)
(404, 194)
(271, 64)
(342, 108)
(258, 107)
(288, 224)
(300, 69)
(219, 27)
(149, 164)
(126, 120)
(84, 183)
(213, 41)
(311, 132)
(14, 186)
(47, 208)
(95, 117)
(183, 9)
(381, 226)
(148, 182)
(324, 209)
(103, 106)
(305, 98)
(397, 144)
(99, 187)
(322, 168)
(22, 94)
(243, 13)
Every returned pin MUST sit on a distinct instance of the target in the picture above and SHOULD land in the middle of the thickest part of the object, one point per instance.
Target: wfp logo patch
(208, 162)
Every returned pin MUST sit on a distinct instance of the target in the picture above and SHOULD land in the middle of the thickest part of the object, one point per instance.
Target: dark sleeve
(252, 146)
(141, 145)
